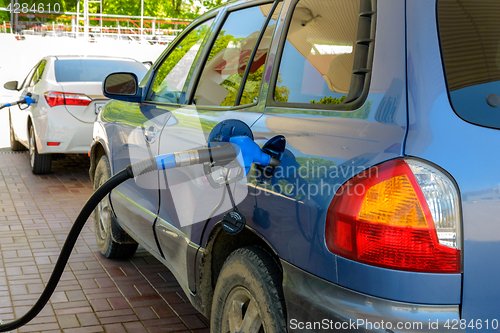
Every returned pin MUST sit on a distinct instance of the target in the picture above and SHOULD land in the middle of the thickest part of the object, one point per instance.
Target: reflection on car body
(376, 212)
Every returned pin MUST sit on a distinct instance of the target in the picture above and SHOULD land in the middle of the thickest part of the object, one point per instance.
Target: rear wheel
(14, 144)
(248, 295)
(104, 224)
(40, 163)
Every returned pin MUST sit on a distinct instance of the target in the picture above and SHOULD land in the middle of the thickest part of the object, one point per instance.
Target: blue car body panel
(136, 201)
(317, 141)
(468, 152)
(407, 114)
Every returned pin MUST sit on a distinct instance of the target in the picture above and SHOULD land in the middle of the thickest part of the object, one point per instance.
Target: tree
(187, 9)
(176, 6)
(209, 4)
(281, 92)
(4, 16)
(329, 100)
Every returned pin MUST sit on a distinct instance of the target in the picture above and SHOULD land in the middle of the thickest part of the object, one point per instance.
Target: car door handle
(150, 134)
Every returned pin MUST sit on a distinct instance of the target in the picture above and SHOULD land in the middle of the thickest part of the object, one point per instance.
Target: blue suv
(383, 215)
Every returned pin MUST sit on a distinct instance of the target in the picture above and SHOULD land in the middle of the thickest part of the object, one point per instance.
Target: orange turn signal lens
(393, 202)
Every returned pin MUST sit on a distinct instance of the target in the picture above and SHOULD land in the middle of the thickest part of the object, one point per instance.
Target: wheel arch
(97, 150)
(30, 123)
(218, 248)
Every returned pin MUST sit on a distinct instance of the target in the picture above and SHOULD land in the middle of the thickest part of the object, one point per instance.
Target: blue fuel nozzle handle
(249, 152)
(28, 100)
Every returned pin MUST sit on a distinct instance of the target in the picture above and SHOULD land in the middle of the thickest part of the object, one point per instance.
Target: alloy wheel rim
(242, 313)
(103, 210)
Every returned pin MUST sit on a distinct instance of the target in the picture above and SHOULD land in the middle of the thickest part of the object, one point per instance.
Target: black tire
(14, 144)
(248, 296)
(40, 163)
(104, 223)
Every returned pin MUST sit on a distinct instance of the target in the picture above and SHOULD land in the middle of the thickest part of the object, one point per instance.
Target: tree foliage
(155, 8)
(209, 4)
(189, 9)
(4, 16)
(186, 9)
(329, 100)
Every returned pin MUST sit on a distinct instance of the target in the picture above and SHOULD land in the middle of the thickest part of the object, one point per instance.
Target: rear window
(470, 43)
(88, 70)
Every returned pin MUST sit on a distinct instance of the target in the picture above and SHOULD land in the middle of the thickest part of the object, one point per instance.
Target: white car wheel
(40, 163)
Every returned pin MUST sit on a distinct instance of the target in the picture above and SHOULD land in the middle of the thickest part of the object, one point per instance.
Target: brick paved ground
(95, 294)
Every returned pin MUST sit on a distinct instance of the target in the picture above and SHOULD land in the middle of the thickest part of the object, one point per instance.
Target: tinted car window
(90, 70)
(470, 44)
(318, 56)
(253, 82)
(173, 72)
(37, 76)
(229, 57)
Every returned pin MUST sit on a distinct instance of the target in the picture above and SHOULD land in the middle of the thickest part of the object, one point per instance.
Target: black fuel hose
(250, 153)
(71, 239)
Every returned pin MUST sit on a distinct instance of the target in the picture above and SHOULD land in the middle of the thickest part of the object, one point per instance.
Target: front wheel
(248, 296)
(104, 224)
(40, 163)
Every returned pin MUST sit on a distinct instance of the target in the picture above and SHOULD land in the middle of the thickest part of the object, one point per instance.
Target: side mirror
(123, 87)
(11, 85)
(124, 84)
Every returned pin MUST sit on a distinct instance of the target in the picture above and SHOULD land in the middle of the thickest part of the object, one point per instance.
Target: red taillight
(381, 218)
(53, 143)
(55, 98)
(77, 99)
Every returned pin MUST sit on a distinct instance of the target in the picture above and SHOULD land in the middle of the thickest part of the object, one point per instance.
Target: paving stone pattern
(95, 294)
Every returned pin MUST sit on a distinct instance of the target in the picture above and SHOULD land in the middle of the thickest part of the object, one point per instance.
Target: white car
(68, 95)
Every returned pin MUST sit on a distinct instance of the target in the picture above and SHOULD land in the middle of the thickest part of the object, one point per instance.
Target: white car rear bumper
(59, 126)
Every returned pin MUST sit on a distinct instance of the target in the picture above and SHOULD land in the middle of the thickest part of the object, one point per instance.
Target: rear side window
(90, 70)
(318, 63)
(224, 71)
(470, 43)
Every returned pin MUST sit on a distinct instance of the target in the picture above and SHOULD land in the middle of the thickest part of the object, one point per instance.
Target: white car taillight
(55, 98)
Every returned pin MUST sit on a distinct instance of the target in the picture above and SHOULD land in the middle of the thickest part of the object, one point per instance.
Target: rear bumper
(60, 126)
(316, 305)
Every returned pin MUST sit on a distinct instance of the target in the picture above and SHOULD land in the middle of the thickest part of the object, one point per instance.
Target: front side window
(27, 80)
(39, 72)
(229, 57)
(173, 72)
(470, 44)
(317, 62)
